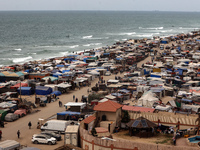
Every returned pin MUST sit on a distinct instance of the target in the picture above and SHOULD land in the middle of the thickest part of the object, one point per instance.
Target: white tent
(147, 99)
(94, 72)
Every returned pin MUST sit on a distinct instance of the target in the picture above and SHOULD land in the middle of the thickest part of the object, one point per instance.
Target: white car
(44, 139)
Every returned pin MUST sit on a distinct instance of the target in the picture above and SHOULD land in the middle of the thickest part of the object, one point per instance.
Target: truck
(56, 125)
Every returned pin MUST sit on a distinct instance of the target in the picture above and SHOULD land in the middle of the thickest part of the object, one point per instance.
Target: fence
(167, 118)
(88, 142)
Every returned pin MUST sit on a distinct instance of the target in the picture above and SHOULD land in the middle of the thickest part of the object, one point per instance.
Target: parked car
(52, 134)
(11, 117)
(44, 139)
(20, 112)
(108, 73)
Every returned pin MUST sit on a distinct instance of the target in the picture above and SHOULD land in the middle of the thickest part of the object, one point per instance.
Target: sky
(115, 5)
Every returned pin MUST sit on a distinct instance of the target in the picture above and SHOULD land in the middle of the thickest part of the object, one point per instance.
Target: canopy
(42, 90)
(82, 105)
(50, 77)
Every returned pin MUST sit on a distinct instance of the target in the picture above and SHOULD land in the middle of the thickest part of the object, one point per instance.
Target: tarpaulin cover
(57, 93)
(25, 91)
(42, 90)
(18, 85)
(68, 113)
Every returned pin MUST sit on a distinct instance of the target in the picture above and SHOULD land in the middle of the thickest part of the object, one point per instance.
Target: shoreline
(78, 52)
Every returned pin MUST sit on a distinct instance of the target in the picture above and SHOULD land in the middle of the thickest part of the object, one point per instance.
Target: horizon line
(107, 10)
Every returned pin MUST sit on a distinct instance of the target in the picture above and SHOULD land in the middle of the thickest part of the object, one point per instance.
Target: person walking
(73, 97)
(29, 124)
(88, 91)
(0, 134)
(18, 134)
(60, 104)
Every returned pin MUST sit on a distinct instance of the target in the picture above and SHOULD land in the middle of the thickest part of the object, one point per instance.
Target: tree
(94, 96)
(126, 117)
(94, 132)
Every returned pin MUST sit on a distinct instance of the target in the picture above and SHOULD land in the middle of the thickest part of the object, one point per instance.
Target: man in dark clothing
(0, 134)
(29, 124)
(18, 134)
(60, 104)
(76, 99)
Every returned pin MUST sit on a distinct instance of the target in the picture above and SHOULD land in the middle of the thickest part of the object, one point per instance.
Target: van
(9, 144)
(56, 125)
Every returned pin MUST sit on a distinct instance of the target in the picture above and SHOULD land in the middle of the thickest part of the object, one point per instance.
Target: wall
(88, 142)
(110, 116)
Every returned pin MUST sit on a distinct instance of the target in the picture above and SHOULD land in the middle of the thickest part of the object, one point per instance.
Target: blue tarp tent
(186, 100)
(25, 91)
(155, 76)
(60, 66)
(57, 74)
(57, 93)
(65, 71)
(42, 90)
(68, 113)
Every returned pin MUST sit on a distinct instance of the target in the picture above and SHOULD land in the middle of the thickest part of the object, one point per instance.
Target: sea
(36, 35)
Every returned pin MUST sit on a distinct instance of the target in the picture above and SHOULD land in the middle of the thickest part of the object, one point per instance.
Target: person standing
(18, 134)
(76, 100)
(29, 124)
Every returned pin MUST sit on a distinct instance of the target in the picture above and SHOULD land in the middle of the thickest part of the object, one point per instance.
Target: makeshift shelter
(141, 127)
(77, 107)
(16, 86)
(42, 90)
(25, 91)
(68, 115)
(147, 99)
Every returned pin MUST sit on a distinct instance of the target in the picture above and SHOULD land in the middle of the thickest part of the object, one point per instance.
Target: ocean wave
(144, 35)
(64, 53)
(18, 54)
(156, 28)
(91, 44)
(18, 60)
(188, 28)
(87, 37)
(124, 39)
(124, 33)
(18, 49)
(129, 33)
(74, 46)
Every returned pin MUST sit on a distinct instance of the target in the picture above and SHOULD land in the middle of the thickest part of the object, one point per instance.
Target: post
(20, 90)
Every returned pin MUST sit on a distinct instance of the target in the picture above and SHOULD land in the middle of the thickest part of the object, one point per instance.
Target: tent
(147, 99)
(57, 93)
(42, 90)
(18, 85)
(25, 91)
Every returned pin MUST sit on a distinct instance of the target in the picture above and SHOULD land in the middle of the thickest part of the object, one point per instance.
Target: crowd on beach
(146, 71)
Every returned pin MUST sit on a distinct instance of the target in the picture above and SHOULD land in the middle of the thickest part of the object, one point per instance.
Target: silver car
(44, 139)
